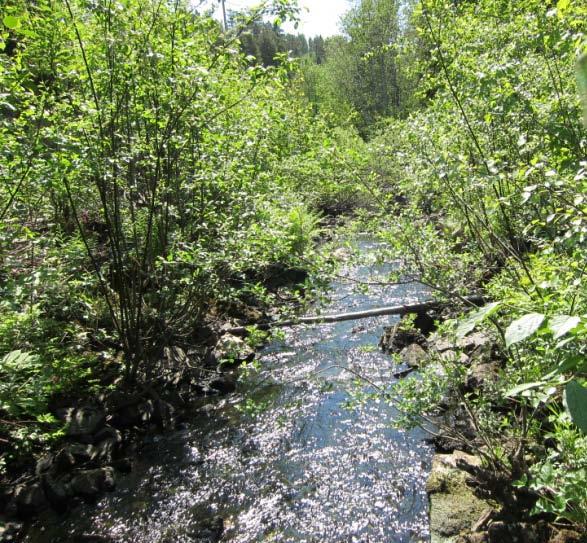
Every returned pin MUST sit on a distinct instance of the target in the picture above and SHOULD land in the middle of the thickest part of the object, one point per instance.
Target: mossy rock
(454, 508)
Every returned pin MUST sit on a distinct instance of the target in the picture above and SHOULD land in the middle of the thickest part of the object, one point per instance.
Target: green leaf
(562, 325)
(474, 318)
(572, 363)
(517, 390)
(523, 328)
(582, 82)
(10, 21)
(576, 404)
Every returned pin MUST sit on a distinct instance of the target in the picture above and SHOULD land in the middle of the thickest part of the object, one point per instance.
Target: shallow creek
(285, 459)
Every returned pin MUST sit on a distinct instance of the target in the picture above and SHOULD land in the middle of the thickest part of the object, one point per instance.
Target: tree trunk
(321, 319)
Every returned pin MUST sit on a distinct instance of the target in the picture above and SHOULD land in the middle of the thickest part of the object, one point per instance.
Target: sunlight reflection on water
(306, 469)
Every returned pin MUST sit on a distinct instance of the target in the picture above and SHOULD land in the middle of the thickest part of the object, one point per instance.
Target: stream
(287, 458)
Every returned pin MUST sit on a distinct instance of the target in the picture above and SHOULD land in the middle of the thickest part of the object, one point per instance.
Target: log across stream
(403, 309)
(290, 457)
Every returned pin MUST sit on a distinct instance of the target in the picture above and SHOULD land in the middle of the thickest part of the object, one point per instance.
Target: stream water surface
(285, 459)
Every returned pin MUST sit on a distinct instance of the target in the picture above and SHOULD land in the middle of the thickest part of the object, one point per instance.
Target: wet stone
(231, 348)
(10, 532)
(44, 464)
(134, 415)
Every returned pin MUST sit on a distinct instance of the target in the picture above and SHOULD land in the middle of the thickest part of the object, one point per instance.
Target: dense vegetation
(476, 146)
(153, 166)
(486, 184)
(150, 173)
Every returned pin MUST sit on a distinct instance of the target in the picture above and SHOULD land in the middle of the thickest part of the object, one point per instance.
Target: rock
(413, 355)
(74, 454)
(395, 338)
(475, 344)
(105, 450)
(566, 536)
(480, 375)
(10, 532)
(208, 531)
(517, 532)
(278, 275)
(57, 491)
(44, 464)
(224, 383)
(118, 399)
(89, 483)
(163, 415)
(30, 499)
(64, 460)
(83, 421)
(108, 433)
(134, 415)
(454, 508)
(231, 348)
(123, 465)
(441, 344)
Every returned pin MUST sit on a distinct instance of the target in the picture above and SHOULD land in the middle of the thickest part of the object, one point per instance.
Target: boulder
(563, 535)
(454, 508)
(413, 355)
(10, 532)
(473, 345)
(208, 531)
(476, 344)
(108, 433)
(44, 464)
(441, 344)
(279, 275)
(518, 532)
(134, 415)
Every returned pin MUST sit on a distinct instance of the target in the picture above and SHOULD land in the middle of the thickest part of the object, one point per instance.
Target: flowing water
(286, 458)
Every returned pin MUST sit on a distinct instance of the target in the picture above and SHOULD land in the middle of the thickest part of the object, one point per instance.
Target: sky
(318, 17)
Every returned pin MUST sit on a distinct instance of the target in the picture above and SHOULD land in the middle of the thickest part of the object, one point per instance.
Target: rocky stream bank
(102, 433)
(469, 503)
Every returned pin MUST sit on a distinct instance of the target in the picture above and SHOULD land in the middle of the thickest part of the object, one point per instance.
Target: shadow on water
(285, 459)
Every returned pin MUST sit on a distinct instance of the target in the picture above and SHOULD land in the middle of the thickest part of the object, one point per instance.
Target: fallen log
(323, 319)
